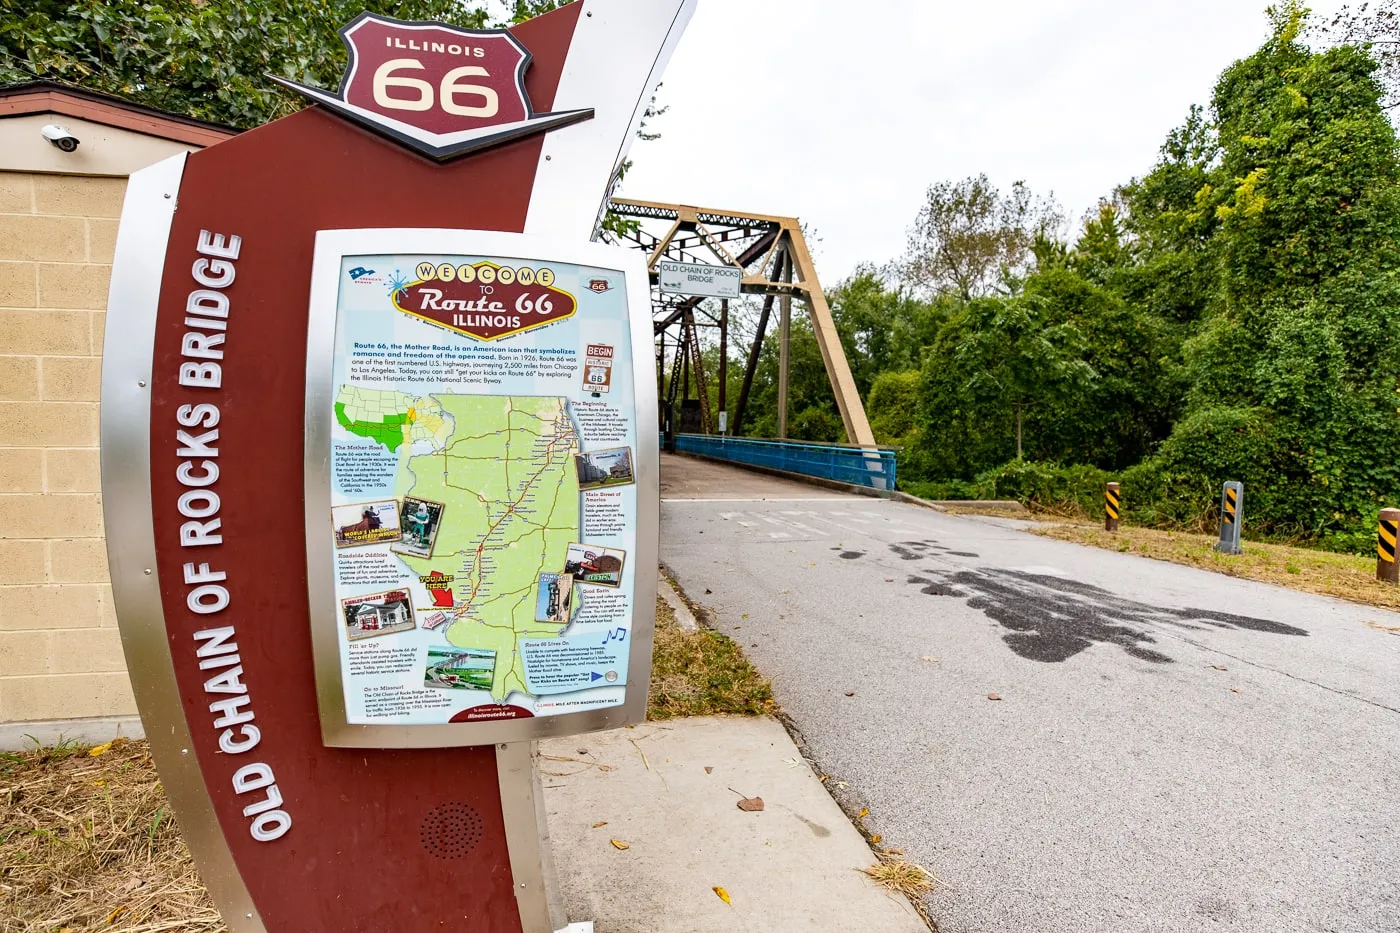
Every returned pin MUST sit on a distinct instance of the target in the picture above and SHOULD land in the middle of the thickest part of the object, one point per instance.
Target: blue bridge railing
(858, 466)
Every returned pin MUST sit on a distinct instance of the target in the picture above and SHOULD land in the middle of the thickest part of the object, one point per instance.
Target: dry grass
(702, 673)
(1344, 576)
(895, 874)
(1013, 510)
(89, 843)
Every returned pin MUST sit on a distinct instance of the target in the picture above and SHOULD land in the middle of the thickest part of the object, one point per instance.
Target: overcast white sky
(843, 113)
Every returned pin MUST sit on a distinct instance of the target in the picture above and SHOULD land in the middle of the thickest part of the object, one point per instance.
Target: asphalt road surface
(1172, 750)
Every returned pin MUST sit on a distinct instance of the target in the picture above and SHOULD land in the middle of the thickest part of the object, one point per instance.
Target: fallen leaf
(599, 825)
(583, 751)
(708, 590)
(825, 778)
(100, 750)
(744, 616)
(619, 844)
(875, 839)
(865, 811)
(930, 659)
(850, 693)
(751, 804)
(994, 696)
(723, 895)
(111, 918)
(1234, 689)
(99, 783)
(1219, 667)
(606, 768)
(708, 769)
(889, 579)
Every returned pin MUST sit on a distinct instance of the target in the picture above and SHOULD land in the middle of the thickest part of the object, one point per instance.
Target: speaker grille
(451, 830)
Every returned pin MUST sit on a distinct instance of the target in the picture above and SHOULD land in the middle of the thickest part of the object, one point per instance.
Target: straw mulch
(87, 843)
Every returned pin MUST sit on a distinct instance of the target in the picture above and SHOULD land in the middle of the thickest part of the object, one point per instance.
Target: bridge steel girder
(773, 255)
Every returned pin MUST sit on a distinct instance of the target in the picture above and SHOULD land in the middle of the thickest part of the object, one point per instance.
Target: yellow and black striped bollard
(1231, 518)
(1387, 570)
(1112, 506)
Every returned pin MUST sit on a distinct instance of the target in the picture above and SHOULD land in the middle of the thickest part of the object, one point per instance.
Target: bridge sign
(698, 279)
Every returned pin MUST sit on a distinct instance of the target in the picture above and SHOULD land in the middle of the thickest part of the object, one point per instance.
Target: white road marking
(819, 517)
(787, 522)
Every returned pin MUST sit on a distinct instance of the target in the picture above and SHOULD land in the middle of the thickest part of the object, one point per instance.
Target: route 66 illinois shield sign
(438, 89)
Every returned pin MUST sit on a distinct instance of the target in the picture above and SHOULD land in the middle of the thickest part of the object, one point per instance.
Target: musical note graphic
(620, 634)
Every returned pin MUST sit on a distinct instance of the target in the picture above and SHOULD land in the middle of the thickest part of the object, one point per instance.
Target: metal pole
(685, 363)
(1112, 505)
(1231, 518)
(752, 366)
(723, 364)
(1387, 570)
(661, 366)
(784, 336)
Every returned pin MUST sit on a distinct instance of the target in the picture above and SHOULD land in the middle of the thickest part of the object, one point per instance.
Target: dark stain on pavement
(934, 589)
(1052, 619)
(913, 550)
(851, 555)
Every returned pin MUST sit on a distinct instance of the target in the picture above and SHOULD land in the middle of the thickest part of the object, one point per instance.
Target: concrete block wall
(60, 654)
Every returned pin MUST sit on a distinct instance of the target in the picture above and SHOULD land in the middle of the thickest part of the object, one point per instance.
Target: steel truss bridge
(772, 254)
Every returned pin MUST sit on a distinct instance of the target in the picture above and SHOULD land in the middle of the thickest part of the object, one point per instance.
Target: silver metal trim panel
(331, 246)
(527, 839)
(127, 360)
(619, 51)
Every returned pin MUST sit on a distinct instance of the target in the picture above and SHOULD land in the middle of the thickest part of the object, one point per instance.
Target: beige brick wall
(60, 654)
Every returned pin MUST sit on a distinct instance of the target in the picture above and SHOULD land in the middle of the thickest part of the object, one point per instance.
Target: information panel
(482, 515)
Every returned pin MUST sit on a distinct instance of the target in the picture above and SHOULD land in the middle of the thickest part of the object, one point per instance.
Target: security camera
(60, 137)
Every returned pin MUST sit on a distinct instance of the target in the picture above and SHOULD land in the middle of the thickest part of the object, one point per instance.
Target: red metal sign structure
(202, 436)
(440, 90)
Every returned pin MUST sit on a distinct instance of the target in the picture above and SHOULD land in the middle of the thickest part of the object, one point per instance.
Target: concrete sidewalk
(792, 868)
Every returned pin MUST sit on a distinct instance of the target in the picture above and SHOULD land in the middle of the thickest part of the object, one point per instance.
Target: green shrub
(952, 490)
(1075, 490)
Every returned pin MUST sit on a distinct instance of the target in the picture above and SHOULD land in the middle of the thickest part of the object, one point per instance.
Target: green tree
(893, 403)
(205, 59)
(1301, 341)
(1000, 357)
(970, 239)
(1121, 415)
(1374, 26)
(882, 326)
